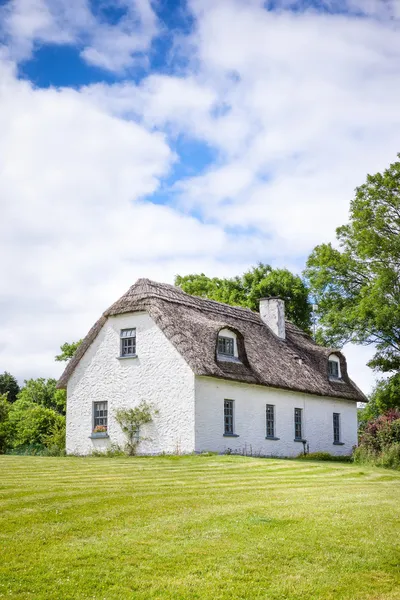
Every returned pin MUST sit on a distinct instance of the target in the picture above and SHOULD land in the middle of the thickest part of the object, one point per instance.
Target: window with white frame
(128, 342)
(270, 420)
(100, 417)
(334, 367)
(336, 428)
(298, 423)
(228, 417)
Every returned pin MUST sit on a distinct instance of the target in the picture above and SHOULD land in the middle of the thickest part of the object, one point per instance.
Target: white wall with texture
(158, 375)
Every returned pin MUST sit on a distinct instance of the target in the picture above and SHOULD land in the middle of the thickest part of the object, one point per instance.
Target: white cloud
(114, 47)
(297, 107)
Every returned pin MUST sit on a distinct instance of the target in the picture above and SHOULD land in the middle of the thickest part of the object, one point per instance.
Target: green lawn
(197, 527)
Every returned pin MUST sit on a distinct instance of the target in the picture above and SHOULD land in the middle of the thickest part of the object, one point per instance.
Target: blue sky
(151, 138)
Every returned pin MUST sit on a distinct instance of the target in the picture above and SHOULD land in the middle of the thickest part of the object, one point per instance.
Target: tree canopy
(68, 350)
(9, 385)
(44, 393)
(357, 285)
(246, 290)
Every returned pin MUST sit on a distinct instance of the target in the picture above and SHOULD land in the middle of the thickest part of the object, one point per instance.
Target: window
(270, 420)
(334, 367)
(100, 411)
(298, 426)
(228, 417)
(128, 342)
(336, 428)
(226, 346)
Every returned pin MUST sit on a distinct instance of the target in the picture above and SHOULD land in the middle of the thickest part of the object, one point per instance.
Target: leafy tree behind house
(68, 350)
(44, 392)
(246, 290)
(9, 385)
(357, 285)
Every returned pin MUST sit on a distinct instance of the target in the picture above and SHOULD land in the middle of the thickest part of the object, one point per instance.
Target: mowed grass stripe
(197, 527)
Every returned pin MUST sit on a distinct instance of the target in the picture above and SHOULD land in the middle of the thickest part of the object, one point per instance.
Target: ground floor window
(100, 412)
(298, 423)
(336, 427)
(270, 417)
(228, 416)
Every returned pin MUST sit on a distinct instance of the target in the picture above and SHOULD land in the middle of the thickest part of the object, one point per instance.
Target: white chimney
(272, 312)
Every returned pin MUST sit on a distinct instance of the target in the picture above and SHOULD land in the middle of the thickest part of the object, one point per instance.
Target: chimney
(272, 312)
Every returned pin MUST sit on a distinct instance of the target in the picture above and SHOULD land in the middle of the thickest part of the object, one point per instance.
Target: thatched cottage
(222, 378)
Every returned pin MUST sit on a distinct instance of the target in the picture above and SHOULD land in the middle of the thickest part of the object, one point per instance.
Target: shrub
(324, 456)
(30, 423)
(130, 420)
(113, 451)
(380, 441)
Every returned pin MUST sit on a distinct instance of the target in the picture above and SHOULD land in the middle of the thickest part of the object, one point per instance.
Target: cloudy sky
(145, 138)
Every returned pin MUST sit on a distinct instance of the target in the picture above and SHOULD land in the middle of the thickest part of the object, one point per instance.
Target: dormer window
(226, 346)
(334, 367)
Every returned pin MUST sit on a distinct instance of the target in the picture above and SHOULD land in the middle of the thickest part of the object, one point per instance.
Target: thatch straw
(192, 325)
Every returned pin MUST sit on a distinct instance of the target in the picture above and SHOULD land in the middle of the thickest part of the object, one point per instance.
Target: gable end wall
(158, 375)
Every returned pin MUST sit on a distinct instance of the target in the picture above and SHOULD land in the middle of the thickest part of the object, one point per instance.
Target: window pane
(336, 427)
(225, 346)
(100, 411)
(128, 333)
(270, 415)
(333, 368)
(228, 416)
(298, 434)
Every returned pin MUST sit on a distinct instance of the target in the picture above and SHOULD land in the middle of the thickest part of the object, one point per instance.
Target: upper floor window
(334, 367)
(128, 342)
(226, 346)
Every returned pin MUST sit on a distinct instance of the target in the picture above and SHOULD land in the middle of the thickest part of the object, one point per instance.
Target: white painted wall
(250, 421)
(158, 375)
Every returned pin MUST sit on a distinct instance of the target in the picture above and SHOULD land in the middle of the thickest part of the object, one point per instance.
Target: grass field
(197, 527)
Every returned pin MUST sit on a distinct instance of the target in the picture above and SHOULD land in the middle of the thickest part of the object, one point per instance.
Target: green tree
(68, 350)
(44, 393)
(384, 398)
(4, 425)
(9, 385)
(357, 286)
(246, 290)
(30, 423)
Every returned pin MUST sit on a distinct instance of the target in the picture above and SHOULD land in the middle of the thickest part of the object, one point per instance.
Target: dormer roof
(192, 325)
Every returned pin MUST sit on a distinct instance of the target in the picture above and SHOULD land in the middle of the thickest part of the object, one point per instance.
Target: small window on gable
(227, 345)
(334, 367)
(128, 342)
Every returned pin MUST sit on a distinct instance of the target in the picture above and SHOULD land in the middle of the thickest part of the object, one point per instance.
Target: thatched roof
(192, 325)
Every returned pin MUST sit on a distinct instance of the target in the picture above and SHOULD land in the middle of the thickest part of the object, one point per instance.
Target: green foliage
(9, 385)
(54, 440)
(4, 427)
(30, 423)
(385, 397)
(357, 286)
(68, 350)
(113, 451)
(131, 420)
(45, 393)
(324, 456)
(246, 290)
(388, 458)
(380, 441)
